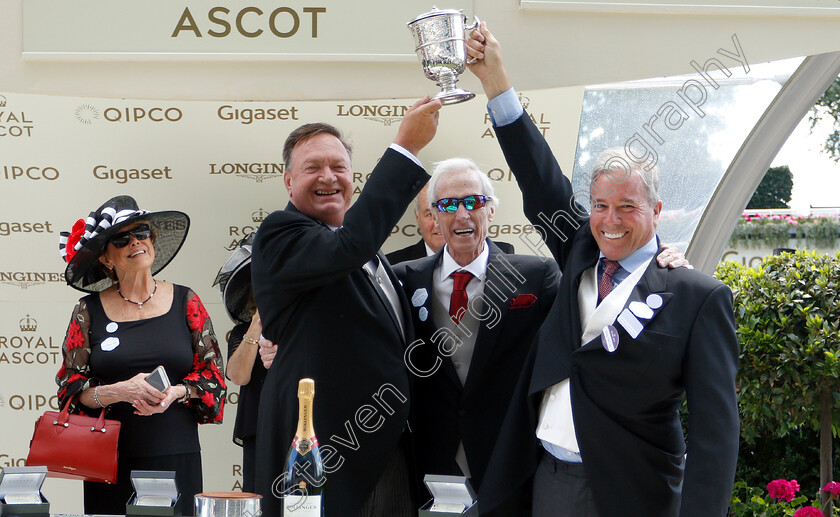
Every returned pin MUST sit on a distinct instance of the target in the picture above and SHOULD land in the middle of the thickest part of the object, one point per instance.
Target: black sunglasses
(450, 204)
(139, 232)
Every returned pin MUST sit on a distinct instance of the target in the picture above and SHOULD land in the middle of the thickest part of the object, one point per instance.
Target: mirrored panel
(689, 126)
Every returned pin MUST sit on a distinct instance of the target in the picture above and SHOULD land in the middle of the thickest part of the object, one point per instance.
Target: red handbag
(75, 446)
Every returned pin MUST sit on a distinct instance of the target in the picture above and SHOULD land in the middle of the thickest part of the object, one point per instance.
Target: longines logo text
(249, 115)
(386, 114)
(32, 402)
(9, 227)
(137, 114)
(18, 172)
(120, 175)
(14, 123)
(247, 170)
(170, 225)
(25, 279)
(250, 22)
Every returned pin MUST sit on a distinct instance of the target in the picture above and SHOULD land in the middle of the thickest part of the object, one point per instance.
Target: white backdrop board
(221, 163)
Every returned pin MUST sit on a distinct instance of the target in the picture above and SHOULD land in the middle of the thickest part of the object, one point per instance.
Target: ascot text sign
(303, 30)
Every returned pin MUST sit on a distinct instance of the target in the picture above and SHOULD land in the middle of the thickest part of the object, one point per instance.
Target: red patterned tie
(458, 299)
(605, 284)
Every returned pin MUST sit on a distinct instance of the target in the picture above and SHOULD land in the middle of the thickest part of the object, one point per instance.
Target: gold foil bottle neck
(306, 388)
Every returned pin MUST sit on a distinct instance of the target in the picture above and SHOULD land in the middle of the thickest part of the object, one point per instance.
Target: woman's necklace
(139, 304)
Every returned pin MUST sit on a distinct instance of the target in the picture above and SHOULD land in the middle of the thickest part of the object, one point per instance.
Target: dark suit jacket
(518, 292)
(418, 251)
(330, 324)
(626, 404)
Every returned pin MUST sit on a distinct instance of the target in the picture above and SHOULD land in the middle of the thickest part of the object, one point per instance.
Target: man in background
(431, 238)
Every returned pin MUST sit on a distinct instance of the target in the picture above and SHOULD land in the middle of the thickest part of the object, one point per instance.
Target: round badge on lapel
(609, 338)
(654, 301)
(419, 297)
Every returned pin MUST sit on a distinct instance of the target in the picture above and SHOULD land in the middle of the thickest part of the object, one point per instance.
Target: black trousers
(561, 490)
(249, 455)
(393, 495)
(102, 498)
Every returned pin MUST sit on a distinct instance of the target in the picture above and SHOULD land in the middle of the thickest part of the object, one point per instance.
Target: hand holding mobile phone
(158, 379)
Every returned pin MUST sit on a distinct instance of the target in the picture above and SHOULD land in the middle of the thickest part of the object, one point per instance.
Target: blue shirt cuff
(504, 108)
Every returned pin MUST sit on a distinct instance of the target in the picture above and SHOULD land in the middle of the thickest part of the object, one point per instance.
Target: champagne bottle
(303, 483)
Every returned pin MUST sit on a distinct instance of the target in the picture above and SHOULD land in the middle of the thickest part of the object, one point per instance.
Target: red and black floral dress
(100, 351)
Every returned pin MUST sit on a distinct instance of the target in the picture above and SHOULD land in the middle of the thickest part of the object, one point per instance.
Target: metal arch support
(793, 101)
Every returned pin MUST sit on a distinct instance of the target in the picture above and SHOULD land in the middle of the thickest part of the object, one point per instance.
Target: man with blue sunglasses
(431, 239)
(486, 306)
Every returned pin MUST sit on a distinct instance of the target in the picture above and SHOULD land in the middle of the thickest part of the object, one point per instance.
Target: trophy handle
(475, 24)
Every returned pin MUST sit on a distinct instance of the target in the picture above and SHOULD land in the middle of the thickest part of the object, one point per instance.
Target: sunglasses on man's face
(139, 232)
(450, 204)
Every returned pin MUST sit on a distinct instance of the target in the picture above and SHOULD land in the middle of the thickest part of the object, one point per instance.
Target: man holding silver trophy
(595, 417)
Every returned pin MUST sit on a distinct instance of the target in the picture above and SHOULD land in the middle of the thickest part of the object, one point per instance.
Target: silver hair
(458, 164)
(417, 208)
(615, 159)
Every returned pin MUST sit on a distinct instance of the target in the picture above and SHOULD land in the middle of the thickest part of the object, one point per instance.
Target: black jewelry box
(452, 496)
(155, 494)
(20, 492)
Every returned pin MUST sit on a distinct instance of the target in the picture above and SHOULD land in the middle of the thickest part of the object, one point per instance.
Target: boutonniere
(633, 318)
(522, 301)
(417, 300)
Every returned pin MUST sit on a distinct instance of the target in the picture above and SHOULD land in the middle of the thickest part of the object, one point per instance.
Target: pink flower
(808, 511)
(832, 487)
(783, 489)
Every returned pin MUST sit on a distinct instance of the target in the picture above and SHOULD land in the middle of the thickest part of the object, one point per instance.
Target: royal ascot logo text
(236, 233)
(248, 116)
(26, 279)
(7, 228)
(25, 346)
(249, 22)
(257, 171)
(539, 118)
(122, 175)
(386, 114)
(29, 172)
(14, 123)
(87, 114)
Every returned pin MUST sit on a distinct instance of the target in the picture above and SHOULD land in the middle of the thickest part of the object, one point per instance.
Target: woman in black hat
(129, 325)
(245, 366)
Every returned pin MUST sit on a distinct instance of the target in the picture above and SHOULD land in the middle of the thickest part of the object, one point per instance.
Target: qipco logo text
(143, 114)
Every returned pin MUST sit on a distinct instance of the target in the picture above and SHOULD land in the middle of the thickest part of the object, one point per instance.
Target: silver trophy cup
(440, 45)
